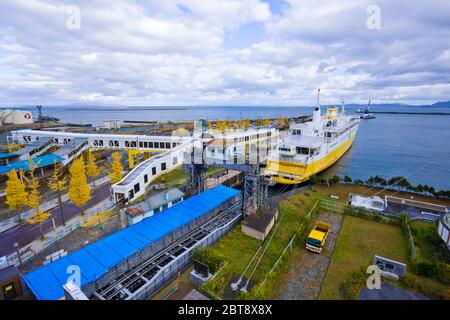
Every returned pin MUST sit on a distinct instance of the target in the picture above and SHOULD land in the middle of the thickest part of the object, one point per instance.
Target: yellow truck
(317, 237)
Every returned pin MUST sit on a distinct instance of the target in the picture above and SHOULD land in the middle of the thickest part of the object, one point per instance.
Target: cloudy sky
(223, 52)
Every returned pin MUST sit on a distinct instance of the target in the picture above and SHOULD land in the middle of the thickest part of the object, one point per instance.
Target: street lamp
(16, 246)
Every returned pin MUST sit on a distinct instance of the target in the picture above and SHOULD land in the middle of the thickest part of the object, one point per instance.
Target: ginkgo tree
(92, 170)
(116, 168)
(57, 182)
(16, 194)
(79, 189)
(34, 198)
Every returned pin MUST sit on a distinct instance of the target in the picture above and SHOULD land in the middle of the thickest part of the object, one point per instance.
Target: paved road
(26, 233)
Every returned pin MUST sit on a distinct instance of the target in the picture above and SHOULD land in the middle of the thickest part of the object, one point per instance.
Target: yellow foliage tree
(16, 195)
(57, 183)
(91, 168)
(247, 123)
(79, 190)
(116, 168)
(34, 199)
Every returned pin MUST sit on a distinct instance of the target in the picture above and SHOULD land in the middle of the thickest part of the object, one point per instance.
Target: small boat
(367, 115)
(43, 118)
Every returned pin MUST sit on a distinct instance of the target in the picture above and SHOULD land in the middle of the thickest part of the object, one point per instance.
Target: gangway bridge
(72, 150)
(73, 144)
(242, 150)
(35, 148)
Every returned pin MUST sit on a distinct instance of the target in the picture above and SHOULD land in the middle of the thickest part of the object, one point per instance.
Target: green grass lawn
(429, 245)
(357, 243)
(171, 177)
(238, 248)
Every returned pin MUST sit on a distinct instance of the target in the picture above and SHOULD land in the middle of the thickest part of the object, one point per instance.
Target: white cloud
(89, 58)
(173, 52)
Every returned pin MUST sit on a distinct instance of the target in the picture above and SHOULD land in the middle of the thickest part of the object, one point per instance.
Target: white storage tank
(22, 117)
(10, 116)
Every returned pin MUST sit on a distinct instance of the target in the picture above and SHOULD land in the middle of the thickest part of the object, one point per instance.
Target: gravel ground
(307, 272)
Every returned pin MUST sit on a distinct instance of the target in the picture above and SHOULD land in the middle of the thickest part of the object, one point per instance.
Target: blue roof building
(96, 259)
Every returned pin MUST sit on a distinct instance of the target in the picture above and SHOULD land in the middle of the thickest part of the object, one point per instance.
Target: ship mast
(317, 114)
(318, 98)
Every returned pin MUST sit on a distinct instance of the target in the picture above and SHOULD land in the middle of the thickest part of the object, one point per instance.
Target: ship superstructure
(311, 147)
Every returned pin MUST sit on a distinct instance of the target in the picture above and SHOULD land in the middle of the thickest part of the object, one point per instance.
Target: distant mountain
(441, 104)
(100, 105)
(88, 104)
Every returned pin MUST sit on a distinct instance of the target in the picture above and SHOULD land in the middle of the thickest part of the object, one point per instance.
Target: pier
(409, 112)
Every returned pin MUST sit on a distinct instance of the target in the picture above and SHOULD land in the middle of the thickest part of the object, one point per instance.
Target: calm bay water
(414, 146)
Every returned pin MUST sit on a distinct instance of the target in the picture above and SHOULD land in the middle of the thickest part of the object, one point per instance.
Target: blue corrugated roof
(41, 161)
(7, 155)
(97, 258)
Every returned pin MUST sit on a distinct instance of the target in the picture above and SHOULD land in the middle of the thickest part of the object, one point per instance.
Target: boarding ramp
(35, 149)
(134, 183)
(72, 150)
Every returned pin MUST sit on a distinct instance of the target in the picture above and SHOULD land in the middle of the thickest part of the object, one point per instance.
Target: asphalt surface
(26, 233)
(390, 292)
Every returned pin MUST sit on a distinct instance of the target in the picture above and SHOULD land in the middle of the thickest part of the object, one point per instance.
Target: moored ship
(311, 147)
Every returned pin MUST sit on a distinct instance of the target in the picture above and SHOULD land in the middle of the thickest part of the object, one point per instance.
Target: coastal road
(26, 233)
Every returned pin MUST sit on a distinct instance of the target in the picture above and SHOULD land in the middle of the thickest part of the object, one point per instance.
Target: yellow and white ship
(311, 147)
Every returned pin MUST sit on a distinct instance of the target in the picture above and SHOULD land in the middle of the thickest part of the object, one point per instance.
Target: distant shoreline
(123, 109)
(409, 112)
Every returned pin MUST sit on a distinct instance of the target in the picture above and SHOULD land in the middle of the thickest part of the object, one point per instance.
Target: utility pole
(16, 246)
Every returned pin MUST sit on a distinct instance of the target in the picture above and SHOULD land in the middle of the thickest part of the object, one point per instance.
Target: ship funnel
(316, 114)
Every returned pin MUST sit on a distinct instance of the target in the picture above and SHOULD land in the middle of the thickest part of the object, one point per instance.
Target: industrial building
(13, 117)
(137, 261)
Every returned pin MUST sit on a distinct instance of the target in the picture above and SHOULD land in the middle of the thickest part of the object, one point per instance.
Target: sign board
(3, 262)
(388, 265)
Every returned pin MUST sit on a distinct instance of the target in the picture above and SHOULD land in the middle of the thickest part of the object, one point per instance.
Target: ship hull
(286, 172)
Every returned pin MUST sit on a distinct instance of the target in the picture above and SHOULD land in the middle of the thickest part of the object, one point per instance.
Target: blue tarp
(97, 258)
(42, 161)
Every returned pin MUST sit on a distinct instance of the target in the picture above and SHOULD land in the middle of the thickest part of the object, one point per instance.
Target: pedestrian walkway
(49, 205)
